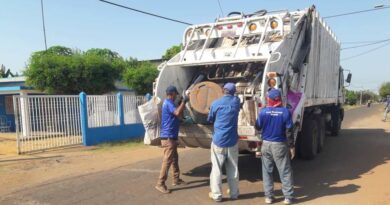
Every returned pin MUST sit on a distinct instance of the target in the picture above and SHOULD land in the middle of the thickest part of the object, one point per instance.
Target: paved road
(344, 159)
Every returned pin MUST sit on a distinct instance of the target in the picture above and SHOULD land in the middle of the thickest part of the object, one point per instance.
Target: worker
(387, 109)
(169, 136)
(224, 147)
(276, 125)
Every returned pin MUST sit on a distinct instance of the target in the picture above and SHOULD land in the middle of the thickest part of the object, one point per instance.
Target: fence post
(121, 113)
(84, 117)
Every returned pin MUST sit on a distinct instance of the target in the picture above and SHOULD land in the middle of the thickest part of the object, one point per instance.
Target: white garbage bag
(150, 116)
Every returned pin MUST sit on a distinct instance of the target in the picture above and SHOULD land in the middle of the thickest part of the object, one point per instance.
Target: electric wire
(359, 42)
(220, 7)
(144, 12)
(356, 12)
(367, 44)
(366, 52)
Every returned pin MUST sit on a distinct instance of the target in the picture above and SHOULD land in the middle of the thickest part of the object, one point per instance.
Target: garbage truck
(294, 51)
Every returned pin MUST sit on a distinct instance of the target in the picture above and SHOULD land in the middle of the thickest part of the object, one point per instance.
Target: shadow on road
(354, 153)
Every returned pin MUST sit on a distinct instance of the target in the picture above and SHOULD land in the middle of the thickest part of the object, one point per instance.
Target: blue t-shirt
(169, 122)
(224, 114)
(273, 122)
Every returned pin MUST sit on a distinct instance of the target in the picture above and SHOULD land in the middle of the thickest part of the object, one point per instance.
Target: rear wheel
(308, 147)
(321, 132)
(335, 124)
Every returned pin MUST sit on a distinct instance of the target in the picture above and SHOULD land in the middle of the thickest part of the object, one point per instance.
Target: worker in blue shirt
(224, 147)
(169, 136)
(276, 125)
(387, 109)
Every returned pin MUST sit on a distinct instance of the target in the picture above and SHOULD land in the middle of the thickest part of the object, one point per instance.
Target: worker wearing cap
(224, 147)
(276, 125)
(169, 136)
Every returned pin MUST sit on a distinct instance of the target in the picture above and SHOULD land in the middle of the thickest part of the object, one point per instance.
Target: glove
(185, 96)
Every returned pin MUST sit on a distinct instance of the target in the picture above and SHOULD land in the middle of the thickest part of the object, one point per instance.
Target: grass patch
(125, 144)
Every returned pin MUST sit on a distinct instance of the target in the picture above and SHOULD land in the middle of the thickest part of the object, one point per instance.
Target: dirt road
(352, 169)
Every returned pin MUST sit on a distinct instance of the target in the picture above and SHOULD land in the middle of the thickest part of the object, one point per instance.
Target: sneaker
(216, 200)
(269, 200)
(162, 188)
(179, 182)
(288, 201)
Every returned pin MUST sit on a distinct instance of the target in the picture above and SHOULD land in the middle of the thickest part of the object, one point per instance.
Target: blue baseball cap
(230, 87)
(274, 94)
(171, 89)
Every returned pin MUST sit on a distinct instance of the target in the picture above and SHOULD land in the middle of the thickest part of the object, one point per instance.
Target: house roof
(13, 79)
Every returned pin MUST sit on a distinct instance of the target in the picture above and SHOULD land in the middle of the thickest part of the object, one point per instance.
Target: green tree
(61, 70)
(384, 90)
(140, 75)
(171, 52)
(351, 97)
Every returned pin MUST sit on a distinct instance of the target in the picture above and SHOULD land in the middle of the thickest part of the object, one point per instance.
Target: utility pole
(43, 25)
(361, 97)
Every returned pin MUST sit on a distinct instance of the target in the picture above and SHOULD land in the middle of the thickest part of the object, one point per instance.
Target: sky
(85, 24)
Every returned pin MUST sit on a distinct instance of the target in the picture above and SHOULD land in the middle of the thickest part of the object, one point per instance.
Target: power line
(364, 45)
(43, 25)
(144, 12)
(366, 52)
(220, 7)
(356, 12)
(358, 42)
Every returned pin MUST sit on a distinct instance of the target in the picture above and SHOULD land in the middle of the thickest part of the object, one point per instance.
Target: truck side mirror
(349, 78)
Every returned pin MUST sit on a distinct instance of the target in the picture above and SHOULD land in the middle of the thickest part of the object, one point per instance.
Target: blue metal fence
(111, 125)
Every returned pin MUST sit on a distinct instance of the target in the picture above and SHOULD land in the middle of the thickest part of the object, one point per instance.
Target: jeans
(219, 156)
(278, 153)
(170, 159)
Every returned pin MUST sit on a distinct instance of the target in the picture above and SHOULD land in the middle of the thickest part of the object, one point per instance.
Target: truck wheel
(335, 125)
(321, 132)
(309, 138)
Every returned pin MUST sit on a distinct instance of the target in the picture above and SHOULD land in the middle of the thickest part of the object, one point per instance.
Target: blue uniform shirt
(169, 122)
(224, 114)
(387, 103)
(273, 122)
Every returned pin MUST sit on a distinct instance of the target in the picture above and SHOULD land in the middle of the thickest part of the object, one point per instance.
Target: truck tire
(322, 131)
(308, 147)
(335, 124)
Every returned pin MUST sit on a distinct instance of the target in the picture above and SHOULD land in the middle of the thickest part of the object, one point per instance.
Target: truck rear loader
(295, 52)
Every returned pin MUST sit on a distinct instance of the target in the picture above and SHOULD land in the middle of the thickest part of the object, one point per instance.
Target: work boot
(179, 182)
(162, 188)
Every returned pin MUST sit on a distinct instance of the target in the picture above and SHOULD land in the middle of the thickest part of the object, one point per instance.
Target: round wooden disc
(203, 94)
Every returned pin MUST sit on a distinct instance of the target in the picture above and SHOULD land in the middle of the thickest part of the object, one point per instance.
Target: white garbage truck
(294, 51)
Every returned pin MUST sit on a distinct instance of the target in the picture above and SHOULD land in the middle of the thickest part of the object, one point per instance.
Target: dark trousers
(171, 158)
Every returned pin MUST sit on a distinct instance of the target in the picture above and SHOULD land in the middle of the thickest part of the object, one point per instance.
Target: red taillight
(240, 24)
(230, 26)
(220, 27)
(243, 137)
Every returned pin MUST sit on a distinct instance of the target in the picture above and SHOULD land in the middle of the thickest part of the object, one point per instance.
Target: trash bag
(150, 113)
